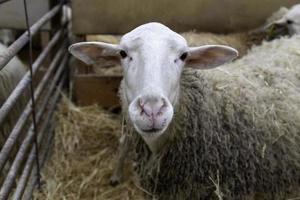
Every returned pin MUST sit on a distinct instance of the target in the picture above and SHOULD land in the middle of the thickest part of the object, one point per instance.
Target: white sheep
(290, 19)
(235, 130)
(282, 22)
(7, 36)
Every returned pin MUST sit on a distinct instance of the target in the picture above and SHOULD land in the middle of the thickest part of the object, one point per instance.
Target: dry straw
(83, 158)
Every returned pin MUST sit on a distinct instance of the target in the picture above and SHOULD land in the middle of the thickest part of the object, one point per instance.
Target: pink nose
(152, 106)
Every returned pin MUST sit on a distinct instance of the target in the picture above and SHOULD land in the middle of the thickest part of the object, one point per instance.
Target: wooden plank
(93, 89)
(119, 16)
(45, 38)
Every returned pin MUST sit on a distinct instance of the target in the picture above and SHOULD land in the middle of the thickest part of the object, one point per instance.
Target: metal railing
(21, 177)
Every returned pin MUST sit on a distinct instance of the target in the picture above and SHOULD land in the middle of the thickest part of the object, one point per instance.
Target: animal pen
(59, 149)
(27, 145)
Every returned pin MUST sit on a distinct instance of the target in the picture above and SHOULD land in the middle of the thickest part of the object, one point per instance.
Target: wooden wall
(120, 16)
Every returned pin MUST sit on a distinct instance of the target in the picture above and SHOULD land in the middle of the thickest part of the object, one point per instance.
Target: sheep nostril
(163, 105)
(141, 106)
(164, 102)
(140, 102)
(142, 112)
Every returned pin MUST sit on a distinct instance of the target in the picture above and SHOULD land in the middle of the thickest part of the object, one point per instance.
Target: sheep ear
(100, 53)
(210, 56)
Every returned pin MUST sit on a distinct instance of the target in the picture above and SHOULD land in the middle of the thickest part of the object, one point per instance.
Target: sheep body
(235, 133)
(7, 36)
(10, 76)
(290, 19)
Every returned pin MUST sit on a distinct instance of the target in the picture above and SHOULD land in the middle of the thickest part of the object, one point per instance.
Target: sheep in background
(7, 36)
(228, 133)
(281, 23)
(10, 76)
(289, 20)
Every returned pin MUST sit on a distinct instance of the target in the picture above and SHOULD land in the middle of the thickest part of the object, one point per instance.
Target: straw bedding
(83, 157)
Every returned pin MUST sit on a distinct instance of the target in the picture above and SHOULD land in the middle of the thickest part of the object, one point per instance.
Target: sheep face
(291, 20)
(7, 36)
(152, 57)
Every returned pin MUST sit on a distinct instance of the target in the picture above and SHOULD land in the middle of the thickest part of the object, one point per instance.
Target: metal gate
(31, 136)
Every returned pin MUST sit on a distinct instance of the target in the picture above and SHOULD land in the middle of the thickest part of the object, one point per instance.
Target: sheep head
(152, 57)
(291, 20)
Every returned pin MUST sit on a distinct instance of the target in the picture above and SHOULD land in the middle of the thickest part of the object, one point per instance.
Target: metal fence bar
(30, 186)
(29, 163)
(33, 179)
(26, 113)
(7, 106)
(20, 88)
(11, 140)
(9, 180)
(21, 175)
(15, 47)
(33, 105)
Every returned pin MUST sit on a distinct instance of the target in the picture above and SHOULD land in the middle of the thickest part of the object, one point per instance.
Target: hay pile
(83, 158)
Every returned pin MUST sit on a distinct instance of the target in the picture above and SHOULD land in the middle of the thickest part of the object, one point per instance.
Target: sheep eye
(289, 21)
(183, 56)
(123, 54)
